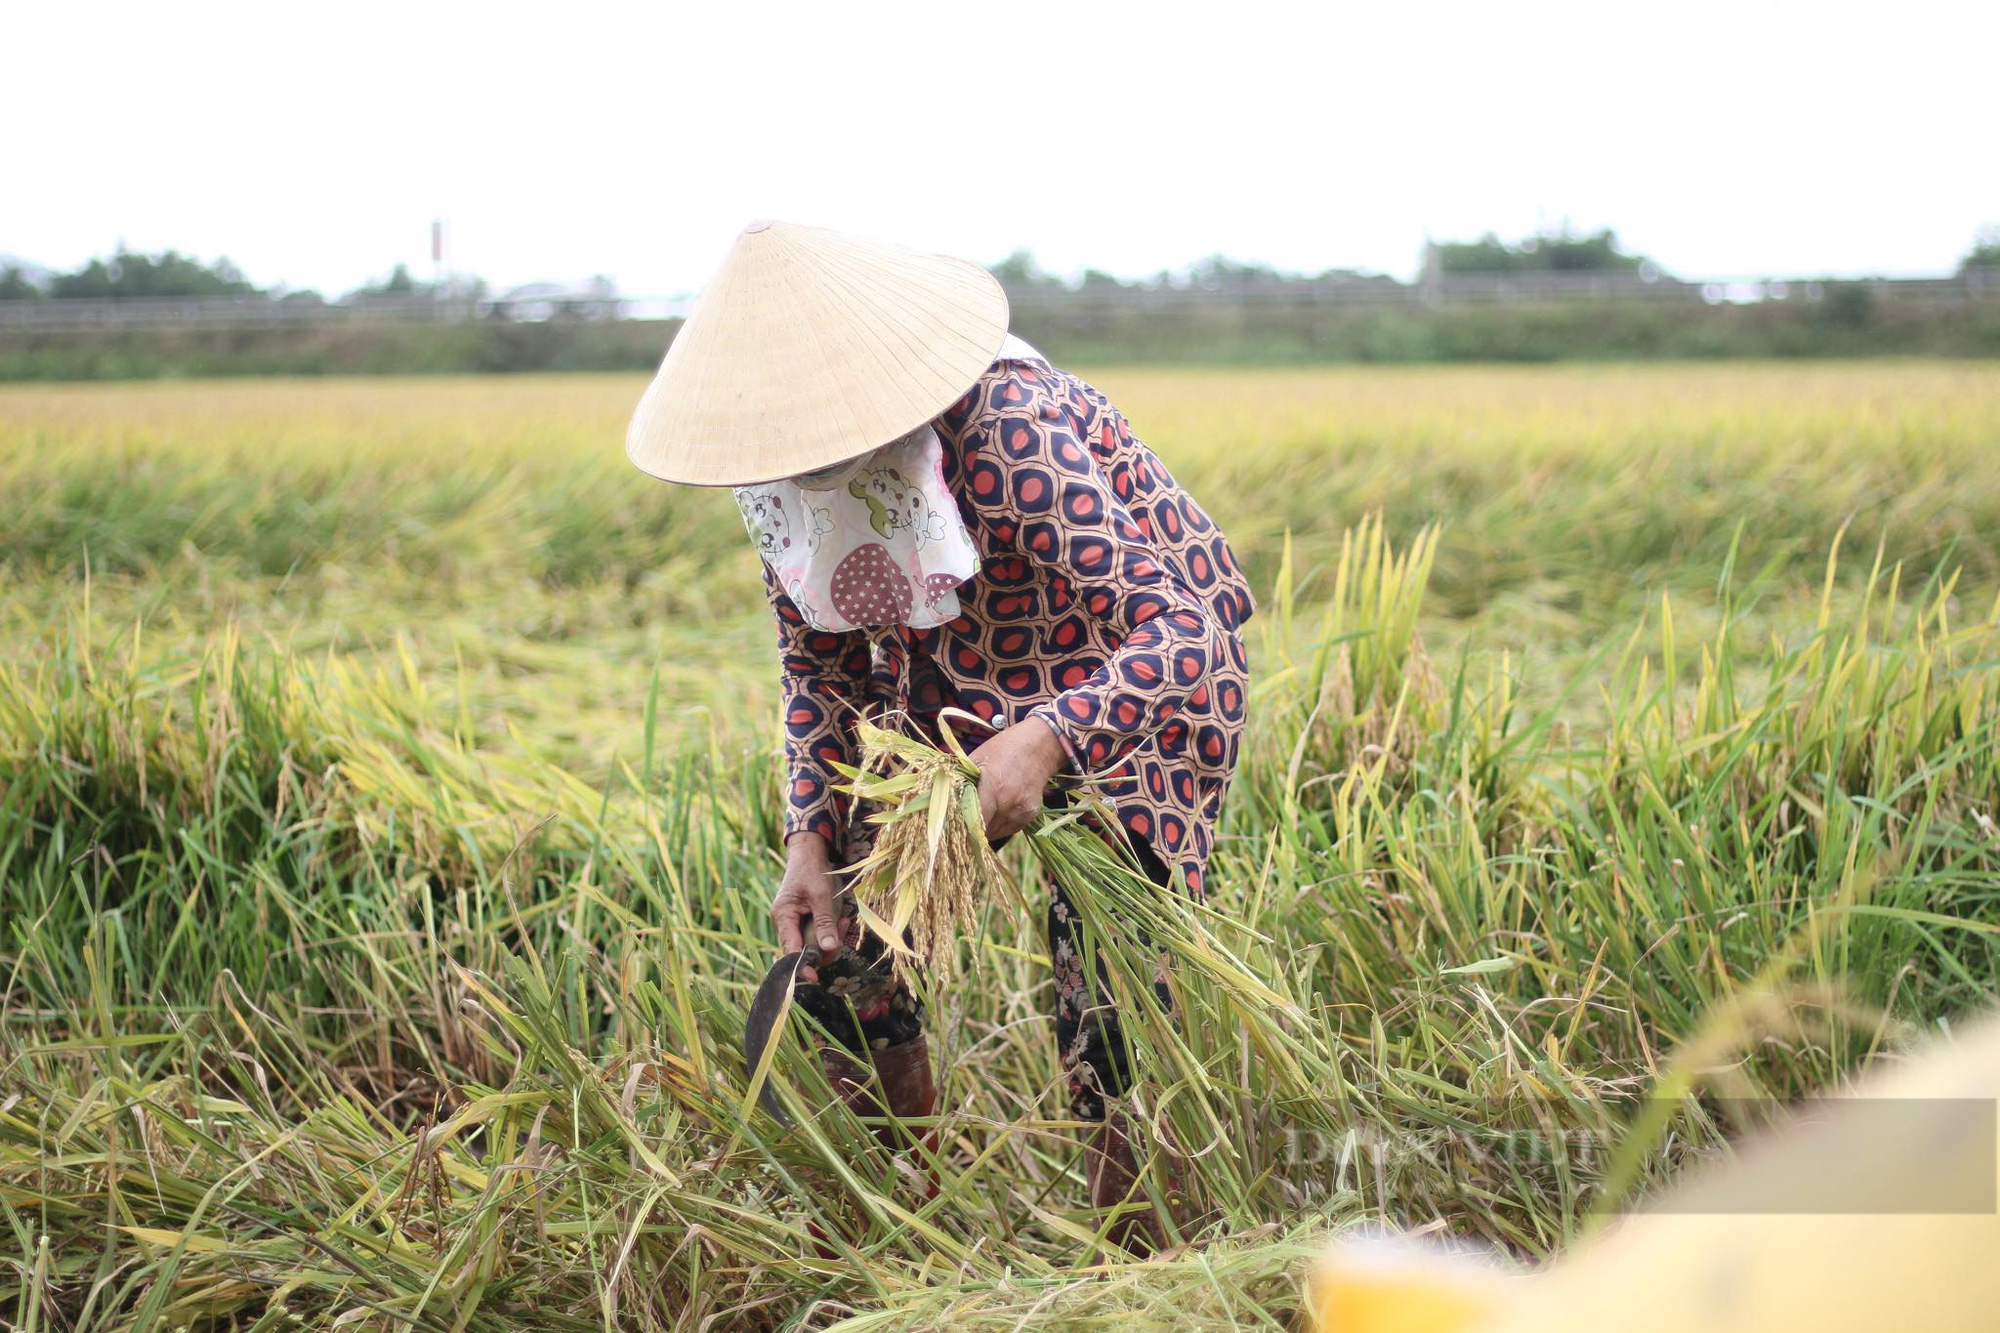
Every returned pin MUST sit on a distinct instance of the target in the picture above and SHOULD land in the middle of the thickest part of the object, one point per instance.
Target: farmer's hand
(807, 890)
(1014, 771)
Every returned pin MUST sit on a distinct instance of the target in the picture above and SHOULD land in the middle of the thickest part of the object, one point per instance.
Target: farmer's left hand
(1014, 771)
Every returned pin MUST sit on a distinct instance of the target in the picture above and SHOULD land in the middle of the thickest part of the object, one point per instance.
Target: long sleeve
(1031, 475)
(823, 680)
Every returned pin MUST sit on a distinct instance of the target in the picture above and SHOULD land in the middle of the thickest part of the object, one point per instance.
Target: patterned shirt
(1107, 604)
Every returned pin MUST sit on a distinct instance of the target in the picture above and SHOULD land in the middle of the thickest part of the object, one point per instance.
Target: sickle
(846, 984)
(758, 1030)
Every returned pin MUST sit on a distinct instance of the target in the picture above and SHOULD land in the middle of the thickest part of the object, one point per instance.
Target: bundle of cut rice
(930, 862)
(931, 868)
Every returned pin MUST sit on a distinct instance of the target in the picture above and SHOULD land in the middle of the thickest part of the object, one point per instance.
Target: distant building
(539, 302)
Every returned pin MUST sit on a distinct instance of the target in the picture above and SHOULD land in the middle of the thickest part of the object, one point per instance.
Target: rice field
(389, 808)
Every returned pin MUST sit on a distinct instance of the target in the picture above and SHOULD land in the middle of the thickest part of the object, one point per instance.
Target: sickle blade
(765, 1010)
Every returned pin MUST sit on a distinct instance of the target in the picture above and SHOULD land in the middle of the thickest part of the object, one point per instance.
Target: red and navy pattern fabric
(1108, 605)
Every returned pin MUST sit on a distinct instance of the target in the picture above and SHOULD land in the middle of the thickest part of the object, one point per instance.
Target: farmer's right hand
(806, 891)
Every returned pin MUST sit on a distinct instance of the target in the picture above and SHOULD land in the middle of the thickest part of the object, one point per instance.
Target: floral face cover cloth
(874, 541)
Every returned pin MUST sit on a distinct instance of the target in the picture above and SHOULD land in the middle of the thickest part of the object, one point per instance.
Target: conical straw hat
(810, 348)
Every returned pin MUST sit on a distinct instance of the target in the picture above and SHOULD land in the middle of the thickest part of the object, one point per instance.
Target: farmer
(946, 520)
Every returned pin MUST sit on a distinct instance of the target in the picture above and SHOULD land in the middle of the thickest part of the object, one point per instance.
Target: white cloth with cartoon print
(874, 541)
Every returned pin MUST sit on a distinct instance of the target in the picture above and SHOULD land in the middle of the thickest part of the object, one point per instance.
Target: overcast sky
(314, 144)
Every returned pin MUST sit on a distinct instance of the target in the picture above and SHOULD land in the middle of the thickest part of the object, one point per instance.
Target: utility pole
(440, 269)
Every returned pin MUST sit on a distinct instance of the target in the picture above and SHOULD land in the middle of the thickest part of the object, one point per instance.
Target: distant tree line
(172, 274)
(1559, 251)
(1985, 251)
(1020, 272)
(1551, 252)
(129, 274)
(542, 329)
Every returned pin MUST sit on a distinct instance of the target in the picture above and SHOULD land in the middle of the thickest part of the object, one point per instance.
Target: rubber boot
(904, 1074)
(908, 1091)
(1112, 1168)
